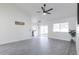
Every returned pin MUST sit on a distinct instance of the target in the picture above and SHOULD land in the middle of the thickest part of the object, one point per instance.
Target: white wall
(45, 20)
(9, 32)
(62, 35)
(59, 35)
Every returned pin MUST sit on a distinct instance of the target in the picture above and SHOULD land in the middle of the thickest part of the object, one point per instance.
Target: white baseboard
(59, 39)
(14, 41)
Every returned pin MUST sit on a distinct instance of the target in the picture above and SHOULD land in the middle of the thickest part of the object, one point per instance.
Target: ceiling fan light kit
(45, 12)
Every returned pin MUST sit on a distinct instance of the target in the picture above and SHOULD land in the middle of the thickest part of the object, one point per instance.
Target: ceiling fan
(44, 10)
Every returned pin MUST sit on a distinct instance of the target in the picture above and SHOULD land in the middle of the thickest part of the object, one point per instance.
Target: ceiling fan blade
(50, 9)
(38, 11)
(43, 9)
(48, 13)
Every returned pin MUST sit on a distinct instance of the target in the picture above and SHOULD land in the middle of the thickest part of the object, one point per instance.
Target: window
(61, 27)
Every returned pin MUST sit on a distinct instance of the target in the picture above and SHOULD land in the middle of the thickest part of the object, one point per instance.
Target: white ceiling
(61, 10)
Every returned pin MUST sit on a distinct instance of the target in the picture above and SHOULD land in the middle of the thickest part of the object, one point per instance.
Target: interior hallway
(42, 46)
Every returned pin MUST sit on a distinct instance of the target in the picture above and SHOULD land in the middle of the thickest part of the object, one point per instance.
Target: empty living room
(39, 29)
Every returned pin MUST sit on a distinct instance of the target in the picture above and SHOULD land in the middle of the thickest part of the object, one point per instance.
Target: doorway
(40, 31)
(43, 31)
(34, 31)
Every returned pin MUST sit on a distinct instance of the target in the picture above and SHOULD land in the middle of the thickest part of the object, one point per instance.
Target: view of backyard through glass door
(40, 31)
(44, 30)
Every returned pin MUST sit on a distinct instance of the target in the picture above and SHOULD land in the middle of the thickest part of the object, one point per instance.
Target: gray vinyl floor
(42, 46)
